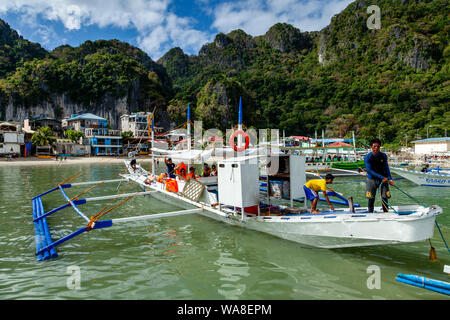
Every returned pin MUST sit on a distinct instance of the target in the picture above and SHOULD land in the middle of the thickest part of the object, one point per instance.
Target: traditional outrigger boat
(434, 178)
(234, 197)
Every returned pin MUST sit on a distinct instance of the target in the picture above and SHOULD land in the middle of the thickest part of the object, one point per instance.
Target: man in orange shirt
(191, 174)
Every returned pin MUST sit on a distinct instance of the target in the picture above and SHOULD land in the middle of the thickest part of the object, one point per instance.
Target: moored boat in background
(428, 179)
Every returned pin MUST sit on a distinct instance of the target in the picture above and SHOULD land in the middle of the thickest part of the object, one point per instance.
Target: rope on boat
(95, 218)
(435, 221)
(71, 178)
(102, 212)
(384, 202)
(419, 202)
(442, 236)
(104, 208)
(86, 191)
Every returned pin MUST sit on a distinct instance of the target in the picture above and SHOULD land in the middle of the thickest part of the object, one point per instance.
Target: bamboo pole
(115, 196)
(157, 215)
(96, 182)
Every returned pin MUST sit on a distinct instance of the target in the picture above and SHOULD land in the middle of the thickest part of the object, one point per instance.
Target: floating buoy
(425, 283)
(432, 255)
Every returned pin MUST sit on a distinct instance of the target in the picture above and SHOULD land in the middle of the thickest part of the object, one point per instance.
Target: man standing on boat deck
(377, 173)
(170, 168)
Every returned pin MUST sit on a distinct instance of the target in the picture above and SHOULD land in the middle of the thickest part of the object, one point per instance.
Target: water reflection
(233, 272)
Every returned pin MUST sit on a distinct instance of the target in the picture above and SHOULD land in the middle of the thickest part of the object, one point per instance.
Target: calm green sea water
(193, 257)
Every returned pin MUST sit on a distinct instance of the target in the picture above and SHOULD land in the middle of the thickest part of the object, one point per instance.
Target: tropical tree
(126, 135)
(43, 137)
(73, 135)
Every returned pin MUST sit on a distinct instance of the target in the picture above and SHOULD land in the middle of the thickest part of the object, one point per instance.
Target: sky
(156, 26)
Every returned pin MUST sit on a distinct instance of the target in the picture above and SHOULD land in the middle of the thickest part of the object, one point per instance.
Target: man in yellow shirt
(312, 187)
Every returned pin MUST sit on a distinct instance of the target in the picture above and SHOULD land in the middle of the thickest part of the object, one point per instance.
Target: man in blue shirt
(377, 173)
(170, 168)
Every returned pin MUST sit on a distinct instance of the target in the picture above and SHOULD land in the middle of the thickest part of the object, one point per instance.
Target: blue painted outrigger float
(425, 283)
(46, 247)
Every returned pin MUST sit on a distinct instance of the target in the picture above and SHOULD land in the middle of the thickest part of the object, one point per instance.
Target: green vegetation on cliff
(15, 51)
(392, 82)
(88, 75)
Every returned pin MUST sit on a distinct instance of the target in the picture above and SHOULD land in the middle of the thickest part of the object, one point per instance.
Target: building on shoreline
(432, 145)
(138, 124)
(65, 147)
(31, 124)
(12, 141)
(102, 140)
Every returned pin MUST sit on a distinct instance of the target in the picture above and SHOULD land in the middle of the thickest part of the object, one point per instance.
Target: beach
(31, 161)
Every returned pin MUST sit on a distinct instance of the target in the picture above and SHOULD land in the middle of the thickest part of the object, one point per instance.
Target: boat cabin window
(221, 165)
(234, 165)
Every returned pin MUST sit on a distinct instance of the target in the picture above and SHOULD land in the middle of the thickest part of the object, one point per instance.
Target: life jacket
(172, 185)
(178, 169)
(191, 175)
(206, 173)
(161, 177)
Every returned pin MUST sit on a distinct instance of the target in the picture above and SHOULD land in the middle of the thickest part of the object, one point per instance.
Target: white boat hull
(325, 232)
(428, 179)
(338, 229)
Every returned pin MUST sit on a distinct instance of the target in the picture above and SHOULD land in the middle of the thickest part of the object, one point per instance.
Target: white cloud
(47, 36)
(257, 16)
(140, 14)
(174, 32)
(158, 28)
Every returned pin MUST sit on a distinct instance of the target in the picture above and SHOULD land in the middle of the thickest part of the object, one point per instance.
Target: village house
(11, 139)
(102, 140)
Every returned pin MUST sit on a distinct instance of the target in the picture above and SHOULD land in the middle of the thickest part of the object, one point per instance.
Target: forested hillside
(14, 50)
(104, 77)
(391, 82)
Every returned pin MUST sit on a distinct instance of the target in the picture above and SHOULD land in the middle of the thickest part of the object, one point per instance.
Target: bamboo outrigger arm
(45, 247)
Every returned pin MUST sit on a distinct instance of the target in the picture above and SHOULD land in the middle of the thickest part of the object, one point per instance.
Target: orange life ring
(242, 133)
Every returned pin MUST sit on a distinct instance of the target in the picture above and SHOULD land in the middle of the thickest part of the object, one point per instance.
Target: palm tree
(73, 135)
(43, 137)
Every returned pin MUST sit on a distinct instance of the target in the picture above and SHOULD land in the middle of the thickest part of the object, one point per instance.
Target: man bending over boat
(312, 187)
(378, 173)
